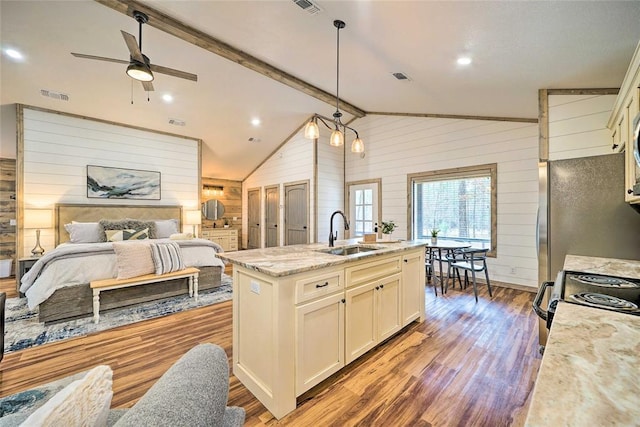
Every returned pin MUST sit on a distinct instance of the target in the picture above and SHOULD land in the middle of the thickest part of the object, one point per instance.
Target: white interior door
(363, 208)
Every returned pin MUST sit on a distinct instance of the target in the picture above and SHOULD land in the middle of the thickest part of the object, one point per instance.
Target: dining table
(435, 253)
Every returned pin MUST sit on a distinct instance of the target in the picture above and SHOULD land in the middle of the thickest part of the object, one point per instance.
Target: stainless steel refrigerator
(582, 212)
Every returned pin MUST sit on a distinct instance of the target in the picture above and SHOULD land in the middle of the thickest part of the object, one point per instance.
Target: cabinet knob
(406, 260)
(614, 146)
(381, 286)
(377, 288)
(275, 225)
(630, 191)
(343, 300)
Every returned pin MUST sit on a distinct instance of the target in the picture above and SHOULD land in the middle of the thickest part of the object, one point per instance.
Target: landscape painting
(116, 183)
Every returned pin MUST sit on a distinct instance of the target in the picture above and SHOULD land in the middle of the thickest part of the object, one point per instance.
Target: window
(363, 207)
(460, 202)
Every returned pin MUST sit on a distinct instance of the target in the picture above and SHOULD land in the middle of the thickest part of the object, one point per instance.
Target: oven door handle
(543, 314)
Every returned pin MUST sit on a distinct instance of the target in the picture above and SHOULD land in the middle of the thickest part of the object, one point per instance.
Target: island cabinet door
(412, 287)
(319, 340)
(388, 307)
(361, 320)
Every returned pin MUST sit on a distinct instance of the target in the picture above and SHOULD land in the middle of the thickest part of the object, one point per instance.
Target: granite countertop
(286, 260)
(591, 364)
(610, 266)
(590, 370)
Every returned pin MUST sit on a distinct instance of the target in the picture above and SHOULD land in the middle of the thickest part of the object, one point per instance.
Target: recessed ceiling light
(167, 97)
(255, 122)
(464, 60)
(14, 54)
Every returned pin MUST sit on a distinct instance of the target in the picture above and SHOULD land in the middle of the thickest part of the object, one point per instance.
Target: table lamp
(38, 218)
(193, 218)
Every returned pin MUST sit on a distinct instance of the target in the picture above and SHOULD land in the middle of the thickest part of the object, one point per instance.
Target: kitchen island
(591, 364)
(301, 313)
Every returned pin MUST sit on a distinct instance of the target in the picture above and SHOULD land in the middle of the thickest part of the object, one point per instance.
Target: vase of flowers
(387, 228)
(434, 236)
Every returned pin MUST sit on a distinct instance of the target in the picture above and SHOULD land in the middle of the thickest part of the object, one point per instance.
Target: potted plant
(434, 235)
(388, 227)
(226, 222)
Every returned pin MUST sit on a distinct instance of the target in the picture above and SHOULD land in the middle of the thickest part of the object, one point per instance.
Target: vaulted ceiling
(516, 48)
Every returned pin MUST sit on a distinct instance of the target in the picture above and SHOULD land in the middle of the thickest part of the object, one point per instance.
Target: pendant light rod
(339, 25)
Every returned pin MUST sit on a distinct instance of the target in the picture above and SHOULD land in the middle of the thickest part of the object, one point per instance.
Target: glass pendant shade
(357, 146)
(139, 72)
(311, 130)
(337, 138)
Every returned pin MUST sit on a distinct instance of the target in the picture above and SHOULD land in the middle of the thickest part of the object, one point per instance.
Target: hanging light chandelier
(311, 130)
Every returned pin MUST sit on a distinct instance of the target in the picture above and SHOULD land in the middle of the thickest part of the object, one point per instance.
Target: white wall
(294, 161)
(58, 148)
(330, 184)
(397, 146)
(578, 125)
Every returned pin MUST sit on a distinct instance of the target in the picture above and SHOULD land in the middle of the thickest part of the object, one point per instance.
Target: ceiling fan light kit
(140, 67)
(311, 130)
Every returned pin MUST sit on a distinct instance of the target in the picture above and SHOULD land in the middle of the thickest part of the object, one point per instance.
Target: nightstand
(24, 265)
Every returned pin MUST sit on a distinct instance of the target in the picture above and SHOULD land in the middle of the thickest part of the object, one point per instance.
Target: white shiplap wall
(58, 148)
(330, 184)
(578, 125)
(397, 146)
(290, 163)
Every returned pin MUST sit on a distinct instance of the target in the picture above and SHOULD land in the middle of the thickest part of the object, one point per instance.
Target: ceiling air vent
(308, 6)
(55, 95)
(177, 122)
(400, 76)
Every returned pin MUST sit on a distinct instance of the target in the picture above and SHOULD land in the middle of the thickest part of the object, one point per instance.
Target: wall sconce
(38, 218)
(193, 218)
(213, 190)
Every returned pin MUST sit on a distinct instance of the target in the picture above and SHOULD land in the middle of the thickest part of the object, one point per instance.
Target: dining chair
(428, 267)
(475, 261)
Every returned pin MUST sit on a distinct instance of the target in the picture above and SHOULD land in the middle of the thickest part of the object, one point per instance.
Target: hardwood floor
(467, 364)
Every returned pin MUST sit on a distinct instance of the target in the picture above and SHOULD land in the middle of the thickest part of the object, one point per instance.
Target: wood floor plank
(471, 364)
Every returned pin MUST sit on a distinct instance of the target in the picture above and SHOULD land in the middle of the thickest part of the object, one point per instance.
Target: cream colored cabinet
(319, 340)
(227, 238)
(625, 110)
(412, 287)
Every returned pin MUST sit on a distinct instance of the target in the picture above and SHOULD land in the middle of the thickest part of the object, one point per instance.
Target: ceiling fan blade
(99, 58)
(148, 86)
(134, 50)
(175, 73)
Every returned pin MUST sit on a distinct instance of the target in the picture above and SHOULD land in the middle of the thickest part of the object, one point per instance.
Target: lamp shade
(357, 146)
(311, 130)
(193, 217)
(139, 71)
(38, 218)
(337, 138)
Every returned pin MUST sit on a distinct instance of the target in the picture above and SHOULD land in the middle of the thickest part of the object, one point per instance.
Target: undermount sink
(349, 250)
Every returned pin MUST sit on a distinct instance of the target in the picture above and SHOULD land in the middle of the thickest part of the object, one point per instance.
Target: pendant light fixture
(311, 130)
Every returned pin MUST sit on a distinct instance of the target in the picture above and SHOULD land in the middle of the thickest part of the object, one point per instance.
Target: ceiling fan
(140, 67)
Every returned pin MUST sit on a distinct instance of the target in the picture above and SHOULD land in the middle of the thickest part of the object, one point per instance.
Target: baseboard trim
(508, 285)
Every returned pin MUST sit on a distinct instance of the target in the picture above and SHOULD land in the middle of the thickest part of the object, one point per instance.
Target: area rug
(22, 329)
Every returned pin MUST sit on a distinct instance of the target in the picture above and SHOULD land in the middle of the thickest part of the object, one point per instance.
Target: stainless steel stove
(594, 290)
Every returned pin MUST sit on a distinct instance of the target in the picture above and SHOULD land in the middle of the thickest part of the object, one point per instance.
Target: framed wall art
(117, 183)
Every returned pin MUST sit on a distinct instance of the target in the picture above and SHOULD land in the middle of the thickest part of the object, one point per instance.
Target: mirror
(213, 209)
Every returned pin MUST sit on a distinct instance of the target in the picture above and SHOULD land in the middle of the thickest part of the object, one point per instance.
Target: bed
(58, 283)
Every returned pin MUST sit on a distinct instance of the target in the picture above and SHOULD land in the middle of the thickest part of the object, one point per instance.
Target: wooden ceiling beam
(196, 37)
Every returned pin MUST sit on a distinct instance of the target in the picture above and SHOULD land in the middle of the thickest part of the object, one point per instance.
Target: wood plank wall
(231, 198)
(8, 210)
(58, 147)
(330, 180)
(578, 125)
(397, 146)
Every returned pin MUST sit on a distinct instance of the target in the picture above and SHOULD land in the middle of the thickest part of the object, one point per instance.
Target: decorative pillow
(83, 232)
(165, 228)
(167, 257)
(127, 224)
(84, 402)
(120, 235)
(133, 259)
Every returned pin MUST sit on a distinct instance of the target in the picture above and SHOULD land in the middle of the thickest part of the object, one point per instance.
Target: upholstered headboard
(65, 213)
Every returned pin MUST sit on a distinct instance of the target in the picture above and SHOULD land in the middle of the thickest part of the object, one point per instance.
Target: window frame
(489, 169)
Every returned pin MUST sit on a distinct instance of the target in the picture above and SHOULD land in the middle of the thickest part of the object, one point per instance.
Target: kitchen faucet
(332, 237)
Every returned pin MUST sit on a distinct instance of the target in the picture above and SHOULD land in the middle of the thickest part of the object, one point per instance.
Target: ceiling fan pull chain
(131, 92)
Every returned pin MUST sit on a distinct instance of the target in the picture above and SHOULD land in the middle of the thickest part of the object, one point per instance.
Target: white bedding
(76, 263)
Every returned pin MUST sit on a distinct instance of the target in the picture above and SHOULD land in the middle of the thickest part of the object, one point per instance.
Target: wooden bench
(108, 284)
